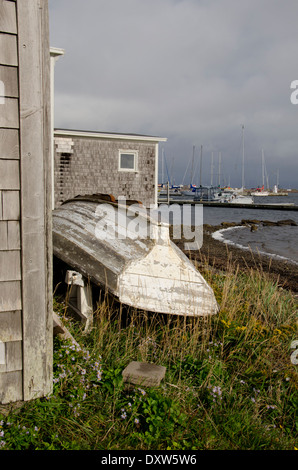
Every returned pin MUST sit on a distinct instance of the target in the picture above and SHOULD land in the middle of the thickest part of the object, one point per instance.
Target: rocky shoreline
(219, 255)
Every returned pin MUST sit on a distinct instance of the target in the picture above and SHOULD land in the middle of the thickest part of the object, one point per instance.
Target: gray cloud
(193, 71)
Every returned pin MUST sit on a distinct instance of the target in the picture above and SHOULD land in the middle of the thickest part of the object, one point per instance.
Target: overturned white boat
(132, 256)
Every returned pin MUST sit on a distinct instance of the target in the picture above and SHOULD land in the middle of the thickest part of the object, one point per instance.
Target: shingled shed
(106, 162)
(26, 323)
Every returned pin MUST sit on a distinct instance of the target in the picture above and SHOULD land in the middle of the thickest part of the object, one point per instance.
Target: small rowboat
(131, 256)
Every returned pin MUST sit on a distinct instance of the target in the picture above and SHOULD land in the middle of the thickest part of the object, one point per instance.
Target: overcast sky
(193, 71)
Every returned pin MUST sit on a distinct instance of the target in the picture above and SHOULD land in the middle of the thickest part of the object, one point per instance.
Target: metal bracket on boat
(80, 297)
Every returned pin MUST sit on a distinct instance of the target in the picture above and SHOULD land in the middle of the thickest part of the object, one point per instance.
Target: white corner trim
(105, 135)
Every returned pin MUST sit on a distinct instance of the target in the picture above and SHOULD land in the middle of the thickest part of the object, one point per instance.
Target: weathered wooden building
(26, 328)
(97, 162)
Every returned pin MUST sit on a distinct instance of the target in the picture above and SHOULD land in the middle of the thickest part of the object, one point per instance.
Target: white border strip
(101, 135)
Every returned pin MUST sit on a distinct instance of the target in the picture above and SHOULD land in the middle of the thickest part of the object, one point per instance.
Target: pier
(280, 207)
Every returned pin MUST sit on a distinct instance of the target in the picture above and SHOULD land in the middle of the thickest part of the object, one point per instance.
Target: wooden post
(36, 203)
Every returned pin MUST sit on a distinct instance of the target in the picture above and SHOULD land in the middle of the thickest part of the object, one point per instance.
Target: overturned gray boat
(132, 257)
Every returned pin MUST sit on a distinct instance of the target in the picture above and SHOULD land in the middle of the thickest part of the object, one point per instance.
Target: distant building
(99, 162)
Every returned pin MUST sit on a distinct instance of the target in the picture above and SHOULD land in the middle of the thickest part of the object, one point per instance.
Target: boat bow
(130, 254)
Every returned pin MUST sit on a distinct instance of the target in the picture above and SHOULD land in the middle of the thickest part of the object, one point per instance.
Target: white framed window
(128, 160)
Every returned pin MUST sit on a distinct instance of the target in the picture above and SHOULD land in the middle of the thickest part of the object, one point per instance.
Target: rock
(268, 223)
(143, 374)
(250, 221)
(279, 223)
(287, 222)
(253, 228)
(228, 224)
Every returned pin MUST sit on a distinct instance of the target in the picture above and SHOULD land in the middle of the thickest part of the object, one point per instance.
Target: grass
(230, 382)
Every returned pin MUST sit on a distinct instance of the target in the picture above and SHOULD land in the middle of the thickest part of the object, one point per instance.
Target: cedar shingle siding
(26, 329)
(91, 165)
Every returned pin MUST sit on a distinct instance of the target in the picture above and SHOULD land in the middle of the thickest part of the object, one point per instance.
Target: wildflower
(124, 415)
(2, 444)
(241, 328)
(1, 433)
(137, 421)
(253, 400)
(216, 392)
(242, 382)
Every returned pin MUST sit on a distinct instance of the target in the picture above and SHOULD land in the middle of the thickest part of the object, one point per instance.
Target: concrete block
(143, 374)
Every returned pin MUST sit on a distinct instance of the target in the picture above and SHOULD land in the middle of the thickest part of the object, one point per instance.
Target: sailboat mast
(162, 166)
(201, 165)
(263, 169)
(243, 182)
(192, 165)
(212, 168)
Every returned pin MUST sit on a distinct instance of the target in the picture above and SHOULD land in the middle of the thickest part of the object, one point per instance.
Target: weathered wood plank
(13, 235)
(10, 205)
(36, 135)
(3, 236)
(2, 354)
(11, 326)
(10, 296)
(9, 76)
(10, 175)
(13, 357)
(11, 387)
(9, 144)
(10, 266)
(8, 50)
(9, 116)
(10, 236)
(8, 18)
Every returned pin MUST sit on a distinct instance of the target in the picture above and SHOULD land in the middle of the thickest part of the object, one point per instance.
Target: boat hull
(149, 273)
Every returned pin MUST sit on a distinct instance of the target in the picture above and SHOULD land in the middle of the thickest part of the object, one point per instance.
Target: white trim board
(106, 135)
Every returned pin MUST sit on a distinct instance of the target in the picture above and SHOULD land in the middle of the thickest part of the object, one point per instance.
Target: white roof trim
(55, 51)
(103, 135)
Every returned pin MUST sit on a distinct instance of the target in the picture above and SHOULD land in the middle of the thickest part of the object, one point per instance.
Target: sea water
(277, 241)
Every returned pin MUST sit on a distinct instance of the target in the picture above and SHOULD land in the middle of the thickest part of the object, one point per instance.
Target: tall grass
(230, 382)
